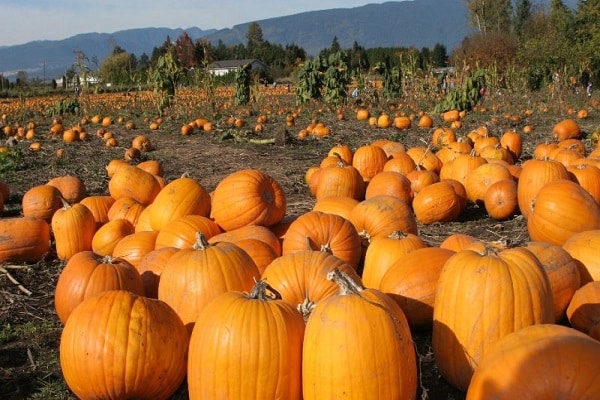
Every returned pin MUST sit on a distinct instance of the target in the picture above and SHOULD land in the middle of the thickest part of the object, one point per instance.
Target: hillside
(418, 23)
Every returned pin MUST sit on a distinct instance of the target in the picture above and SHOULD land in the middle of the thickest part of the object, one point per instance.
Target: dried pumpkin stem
(263, 291)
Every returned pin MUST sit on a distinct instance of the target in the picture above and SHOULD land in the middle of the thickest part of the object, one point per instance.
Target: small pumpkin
(74, 227)
(24, 239)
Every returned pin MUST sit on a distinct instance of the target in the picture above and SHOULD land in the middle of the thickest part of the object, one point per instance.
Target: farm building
(223, 67)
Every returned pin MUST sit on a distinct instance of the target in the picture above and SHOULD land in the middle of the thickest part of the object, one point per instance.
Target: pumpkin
(252, 335)
(588, 177)
(340, 180)
(319, 231)
(562, 272)
(73, 227)
(180, 197)
(248, 197)
(41, 202)
(108, 235)
(120, 345)
(513, 142)
(258, 232)
(369, 161)
(561, 209)
(500, 199)
(87, 274)
(357, 345)
(23, 239)
(99, 206)
(339, 205)
(583, 311)
(584, 247)
(384, 251)
(195, 276)
(437, 202)
(342, 151)
(425, 158)
(534, 175)
(151, 266)
(412, 282)
(390, 183)
(181, 232)
(135, 246)
(458, 241)
(482, 297)
(401, 163)
(462, 166)
(126, 208)
(482, 177)
(566, 129)
(532, 363)
(261, 252)
(135, 183)
(152, 166)
(72, 188)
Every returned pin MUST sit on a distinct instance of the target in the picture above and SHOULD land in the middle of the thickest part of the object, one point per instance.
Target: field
(29, 329)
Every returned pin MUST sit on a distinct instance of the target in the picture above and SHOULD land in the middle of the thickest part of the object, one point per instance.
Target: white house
(223, 67)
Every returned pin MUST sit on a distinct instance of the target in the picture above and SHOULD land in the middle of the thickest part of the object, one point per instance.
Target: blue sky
(27, 20)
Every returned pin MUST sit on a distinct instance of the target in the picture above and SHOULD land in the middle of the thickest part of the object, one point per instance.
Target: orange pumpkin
(41, 201)
(566, 129)
(107, 345)
(87, 274)
(74, 227)
(583, 311)
(248, 197)
(24, 239)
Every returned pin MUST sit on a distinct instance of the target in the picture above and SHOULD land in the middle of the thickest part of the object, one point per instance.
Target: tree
(439, 56)
(115, 69)
(164, 78)
(186, 51)
(587, 37)
(255, 39)
(490, 16)
(521, 16)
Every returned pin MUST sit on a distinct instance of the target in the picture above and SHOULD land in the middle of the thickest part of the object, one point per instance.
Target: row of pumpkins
(165, 280)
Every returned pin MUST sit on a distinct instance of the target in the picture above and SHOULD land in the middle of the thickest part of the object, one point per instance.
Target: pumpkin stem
(201, 242)
(397, 235)
(345, 282)
(65, 203)
(326, 248)
(305, 308)
(263, 291)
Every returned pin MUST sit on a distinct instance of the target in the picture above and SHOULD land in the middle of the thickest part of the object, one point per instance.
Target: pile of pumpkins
(166, 280)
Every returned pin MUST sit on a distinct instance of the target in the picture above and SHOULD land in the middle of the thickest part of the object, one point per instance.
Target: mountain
(418, 23)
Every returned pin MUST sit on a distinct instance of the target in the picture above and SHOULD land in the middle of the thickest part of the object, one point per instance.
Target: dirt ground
(29, 328)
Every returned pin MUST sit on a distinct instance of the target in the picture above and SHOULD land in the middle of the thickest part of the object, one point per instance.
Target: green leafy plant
(465, 97)
(64, 106)
(164, 78)
(242, 85)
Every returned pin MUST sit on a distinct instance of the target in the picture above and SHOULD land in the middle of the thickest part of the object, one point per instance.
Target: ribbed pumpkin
(258, 232)
(539, 362)
(339, 205)
(382, 215)
(584, 247)
(134, 247)
(73, 227)
(108, 235)
(248, 197)
(99, 206)
(384, 251)
(193, 277)
(369, 161)
(72, 188)
(118, 345)
(301, 277)
(500, 199)
(357, 345)
(247, 346)
(151, 266)
(126, 208)
(437, 202)
(319, 231)
(561, 209)
(534, 175)
(340, 180)
(588, 177)
(24, 239)
(412, 281)
(87, 274)
(181, 232)
(261, 252)
(584, 309)
(180, 197)
(562, 272)
(41, 201)
(482, 297)
(135, 183)
(482, 177)
(390, 183)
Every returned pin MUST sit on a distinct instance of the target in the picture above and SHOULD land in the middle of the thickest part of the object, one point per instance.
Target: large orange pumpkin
(195, 276)
(87, 274)
(539, 362)
(584, 247)
(534, 175)
(248, 197)
(23, 239)
(584, 309)
(247, 346)
(482, 297)
(357, 345)
(119, 345)
(130, 181)
(74, 227)
(561, 209)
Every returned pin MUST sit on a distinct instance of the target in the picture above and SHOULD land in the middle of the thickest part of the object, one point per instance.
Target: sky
(28, 20)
